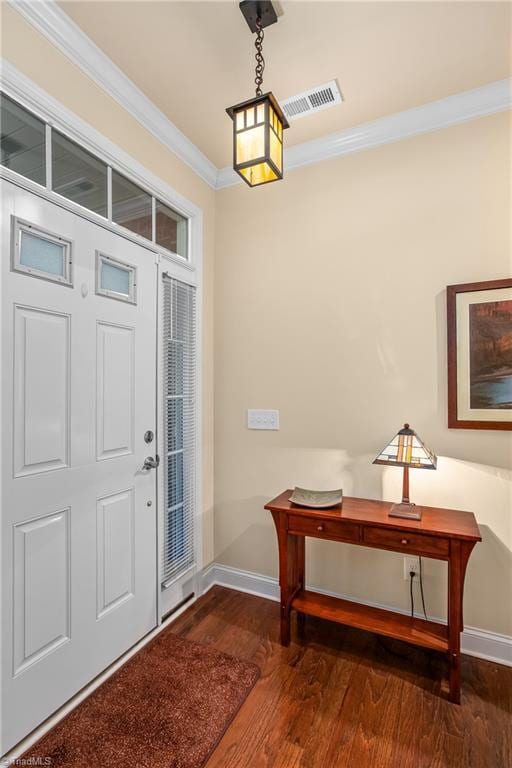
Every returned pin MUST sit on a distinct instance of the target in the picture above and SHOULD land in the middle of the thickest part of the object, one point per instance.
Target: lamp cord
(421, 590)
(381, 640)
(411, 579)
(260, 61)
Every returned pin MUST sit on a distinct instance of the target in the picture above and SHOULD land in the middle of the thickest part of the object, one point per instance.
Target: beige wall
(330, 305)
(340, 269)
(35, 57)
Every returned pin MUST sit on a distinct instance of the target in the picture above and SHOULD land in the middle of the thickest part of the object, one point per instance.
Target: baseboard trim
(481, 643)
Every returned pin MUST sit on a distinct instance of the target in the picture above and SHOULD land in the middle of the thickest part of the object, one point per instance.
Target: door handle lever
(150, 462)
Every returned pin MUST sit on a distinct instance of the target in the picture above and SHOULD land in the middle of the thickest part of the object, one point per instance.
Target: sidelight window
(180, 439)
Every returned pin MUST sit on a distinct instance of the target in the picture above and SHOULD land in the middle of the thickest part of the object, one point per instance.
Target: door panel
(41, 387)
(116, 550)
(79, 577)
(115, 390)
(41, 588)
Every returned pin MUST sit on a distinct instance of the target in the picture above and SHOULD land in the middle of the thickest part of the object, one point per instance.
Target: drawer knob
(320, 528)
(404, 541)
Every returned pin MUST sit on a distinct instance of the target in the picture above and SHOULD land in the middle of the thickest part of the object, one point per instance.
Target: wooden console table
(443, 534)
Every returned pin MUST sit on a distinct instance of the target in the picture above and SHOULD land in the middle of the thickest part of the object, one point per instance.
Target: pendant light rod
(258, 123)
(260, 61)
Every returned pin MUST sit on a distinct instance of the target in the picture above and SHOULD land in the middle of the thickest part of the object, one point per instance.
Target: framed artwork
(480, 355)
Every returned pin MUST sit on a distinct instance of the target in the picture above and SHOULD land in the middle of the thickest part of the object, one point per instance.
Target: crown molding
(453, 110)
(54, 23)
(23, 90)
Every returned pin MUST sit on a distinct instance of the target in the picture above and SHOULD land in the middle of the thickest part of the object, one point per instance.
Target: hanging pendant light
(258, 123)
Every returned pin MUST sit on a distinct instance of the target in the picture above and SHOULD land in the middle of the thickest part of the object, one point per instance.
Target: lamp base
(405, 509)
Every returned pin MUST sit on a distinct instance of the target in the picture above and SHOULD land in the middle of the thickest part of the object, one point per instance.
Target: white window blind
(180, 431)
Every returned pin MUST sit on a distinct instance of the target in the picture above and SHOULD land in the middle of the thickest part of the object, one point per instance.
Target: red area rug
(167, 707)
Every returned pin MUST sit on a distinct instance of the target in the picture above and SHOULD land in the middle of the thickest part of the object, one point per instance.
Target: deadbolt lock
(149, 436)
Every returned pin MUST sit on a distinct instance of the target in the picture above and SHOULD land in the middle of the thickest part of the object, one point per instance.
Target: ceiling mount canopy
(258, 123)
(253, 10)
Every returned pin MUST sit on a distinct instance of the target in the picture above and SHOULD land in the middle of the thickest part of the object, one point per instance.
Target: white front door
(78, 510)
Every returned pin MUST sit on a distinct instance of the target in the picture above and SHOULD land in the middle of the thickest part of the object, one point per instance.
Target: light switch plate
(258, 419)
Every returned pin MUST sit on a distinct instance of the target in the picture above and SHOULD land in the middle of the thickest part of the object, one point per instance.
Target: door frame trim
(30, 95)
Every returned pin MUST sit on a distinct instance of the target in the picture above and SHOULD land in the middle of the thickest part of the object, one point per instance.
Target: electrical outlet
(411, 564)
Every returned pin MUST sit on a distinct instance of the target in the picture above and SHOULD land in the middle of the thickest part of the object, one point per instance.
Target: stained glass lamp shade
(407, 450)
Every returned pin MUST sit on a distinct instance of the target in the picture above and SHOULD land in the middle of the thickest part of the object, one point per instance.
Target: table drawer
(403, 541)
(323, 529)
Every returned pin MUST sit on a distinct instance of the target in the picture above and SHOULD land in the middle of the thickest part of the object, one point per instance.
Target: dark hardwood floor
(342, 697)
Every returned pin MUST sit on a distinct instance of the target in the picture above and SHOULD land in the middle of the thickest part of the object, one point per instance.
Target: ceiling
(193, 59)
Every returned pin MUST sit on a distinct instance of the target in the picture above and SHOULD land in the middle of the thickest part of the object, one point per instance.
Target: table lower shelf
(427, 634)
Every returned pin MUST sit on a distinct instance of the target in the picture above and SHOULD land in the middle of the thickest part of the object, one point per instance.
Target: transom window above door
(36, 150)
(131, 206)
(78, 175)
(22, 141)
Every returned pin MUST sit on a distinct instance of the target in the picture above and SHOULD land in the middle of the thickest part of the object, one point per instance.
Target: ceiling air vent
(314, 100)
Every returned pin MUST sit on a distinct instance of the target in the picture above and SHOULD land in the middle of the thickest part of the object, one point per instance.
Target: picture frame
(479, 325)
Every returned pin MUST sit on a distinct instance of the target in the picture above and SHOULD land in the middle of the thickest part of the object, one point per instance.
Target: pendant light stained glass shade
(407, 450)
(258, 126)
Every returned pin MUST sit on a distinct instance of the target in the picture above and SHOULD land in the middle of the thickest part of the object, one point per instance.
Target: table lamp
(406, 450)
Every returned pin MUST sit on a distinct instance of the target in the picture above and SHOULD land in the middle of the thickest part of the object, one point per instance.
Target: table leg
(285, 624)
(289, 570)
(454, 678)
(455, 590)
(301, 578)
(459, 556)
